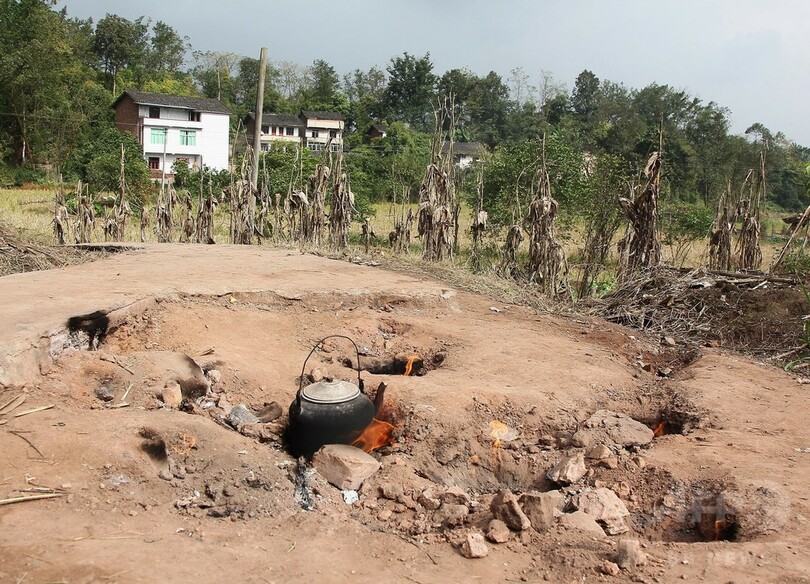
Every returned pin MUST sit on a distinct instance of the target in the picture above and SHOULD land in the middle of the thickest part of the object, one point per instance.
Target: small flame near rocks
(380, 432)
(660, 430)
(409, 364)
(497, 431)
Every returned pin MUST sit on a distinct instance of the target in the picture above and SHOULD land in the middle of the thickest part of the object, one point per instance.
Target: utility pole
(257, 133)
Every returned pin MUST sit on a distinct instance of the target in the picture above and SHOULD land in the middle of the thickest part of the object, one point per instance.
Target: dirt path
(227, 509)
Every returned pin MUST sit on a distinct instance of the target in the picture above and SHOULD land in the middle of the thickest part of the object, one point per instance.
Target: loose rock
(270, 412)
(172, 395)
(629, 554)
(498, 531)
(214, 376)
(580, 521)
(345, 467)
(609, 568)
(392, 491)
(569, 470)
(605, 507)
(451, 515)
(606, 427)
(429, 500)
(474, 546)
(455, 496)
(505, 507)
(105, 394)
(240, 414)
(540, 508)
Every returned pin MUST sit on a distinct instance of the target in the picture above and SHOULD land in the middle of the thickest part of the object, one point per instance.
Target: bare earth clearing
(224, 506)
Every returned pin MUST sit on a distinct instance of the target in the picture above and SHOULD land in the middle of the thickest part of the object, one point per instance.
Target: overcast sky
(751, 56)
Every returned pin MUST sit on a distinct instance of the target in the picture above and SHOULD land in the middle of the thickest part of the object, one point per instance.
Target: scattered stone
(172, 395)
(609, 568)
(505, 507)
(474, 546)
(345, 467)
(580, 521)
(214, 376)
(105, 394)
(455, 496)
(599, 452)
(605, 507)
(451, 515)
(384, 515)
(569, 470)
(270, 412)
(316, 374)
(629, 554)
(664, 371)
(392, 491)
(240, 414)
(350, 496)
(541, 508)
(498, 531)
(639, 461)
(670, 341)
(257, 431)
(429, 500)
(165, 474)
(606, 427)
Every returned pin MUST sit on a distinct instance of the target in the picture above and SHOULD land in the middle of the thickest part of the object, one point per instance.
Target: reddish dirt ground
(229, 509)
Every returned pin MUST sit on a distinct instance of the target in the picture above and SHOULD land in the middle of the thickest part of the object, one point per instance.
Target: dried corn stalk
(61, 218)
(749, 253)
(86, 217)
(341, 208)
(640, 249)
(720, 256)
(164, 214)
(189, 228)
(509, 262)
(312, 228)
(240, 193)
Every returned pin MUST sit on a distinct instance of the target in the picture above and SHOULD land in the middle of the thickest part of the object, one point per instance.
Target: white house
(465, 153)
(173, 127)
(275, 128)
(310, 129)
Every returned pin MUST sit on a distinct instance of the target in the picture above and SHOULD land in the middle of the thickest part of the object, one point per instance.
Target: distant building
(377, 130)
(173, 127)
(310, 129)
(466, 153)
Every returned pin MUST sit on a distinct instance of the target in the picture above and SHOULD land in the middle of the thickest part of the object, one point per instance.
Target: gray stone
(429, 500)
(172, 395)
(451, 515)
(609, 568)
(392, 491)
(540, 508)
(606, 427)
(474, 546)
(258, 431)
(345, 467)
(455, 496)
(505, 507)
(105, 394)
(629, 554)
(214, 376)
(240, 414)
(605, 507)
(498, 531)
(569, 470)
(579, 521)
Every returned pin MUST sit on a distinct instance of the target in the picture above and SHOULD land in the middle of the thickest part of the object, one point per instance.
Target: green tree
(120, 43)
(167, 50)
(411, 90)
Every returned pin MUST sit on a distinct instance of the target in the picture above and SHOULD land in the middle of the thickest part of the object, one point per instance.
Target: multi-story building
(173, 127)
(311, 129)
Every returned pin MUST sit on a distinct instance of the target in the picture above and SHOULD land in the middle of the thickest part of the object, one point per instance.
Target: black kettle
(328, 411)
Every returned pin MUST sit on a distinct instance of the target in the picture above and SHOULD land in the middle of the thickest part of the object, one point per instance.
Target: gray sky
(751, 56)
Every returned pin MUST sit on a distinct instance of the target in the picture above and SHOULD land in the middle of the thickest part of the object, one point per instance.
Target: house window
(154, 112)
(188, 138)
(273, 131)
(193, 116)
(265, 129)
(158, 136)
(314, 134)
(333, 133)
(154, 163)
(280, 131)
(335, 147)
(291, 131)
(315, 146)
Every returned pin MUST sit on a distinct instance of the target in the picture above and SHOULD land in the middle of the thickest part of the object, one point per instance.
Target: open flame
(376, 435)
(409, 364)
(497, 431)
(660, 430)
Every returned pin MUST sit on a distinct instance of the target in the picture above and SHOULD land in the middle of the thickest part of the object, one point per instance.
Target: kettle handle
(318, 344)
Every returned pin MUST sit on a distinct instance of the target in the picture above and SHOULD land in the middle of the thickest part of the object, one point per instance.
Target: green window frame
(188, 137)
(158, 136)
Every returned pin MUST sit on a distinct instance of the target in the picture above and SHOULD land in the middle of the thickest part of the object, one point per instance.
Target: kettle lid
(330, 392)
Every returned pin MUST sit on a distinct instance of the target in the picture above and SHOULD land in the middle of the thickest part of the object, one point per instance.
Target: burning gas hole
(411, 364)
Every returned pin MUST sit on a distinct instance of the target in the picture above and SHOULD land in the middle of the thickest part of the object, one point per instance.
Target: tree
(322, 85)
(167, 51)
(490, 109)
(214, 72)
(120, 43)
(411, 90)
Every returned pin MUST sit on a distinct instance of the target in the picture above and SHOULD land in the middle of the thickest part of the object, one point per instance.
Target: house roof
(380, 127)
(321, 115)
(466, 148)
(270, 119)
(200, 104)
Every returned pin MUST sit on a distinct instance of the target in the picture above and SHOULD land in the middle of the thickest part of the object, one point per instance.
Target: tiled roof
(200, 104)
(287, 120)
(322, 115)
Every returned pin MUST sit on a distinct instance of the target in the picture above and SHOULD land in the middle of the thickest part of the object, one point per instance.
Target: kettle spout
(379, 397)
